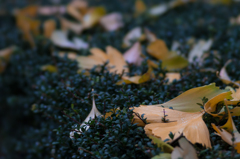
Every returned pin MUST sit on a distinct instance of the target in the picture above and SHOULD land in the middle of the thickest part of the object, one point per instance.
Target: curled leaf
(198, 50)
(185, 151)
(59, 38)
(112, 22)
(92, 115)
(228, 132)
(133, 55)
(134, 35)
(223, 75)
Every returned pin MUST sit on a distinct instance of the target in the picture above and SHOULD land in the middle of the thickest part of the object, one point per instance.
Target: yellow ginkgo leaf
(158, 49)
(93, 16)
(227, 130)
(140, 7)
(133, 55)
(162, 156)
(188, 100)
(190, 124)
(116, 61)
(223, 75)
(112, 22)
(49, 68)
(5, 55)
(49, 26)
(161, 144)
(137, 79)
(92, 115)
(185, 151)
(175, 62)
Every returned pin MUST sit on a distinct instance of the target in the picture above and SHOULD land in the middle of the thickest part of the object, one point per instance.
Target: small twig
(139, 117)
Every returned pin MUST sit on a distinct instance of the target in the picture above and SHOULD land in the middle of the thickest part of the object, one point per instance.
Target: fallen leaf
(51, 10)
(133, 55)
(30, 11)
(132, 36)
(228, 131)
(49, 27)
(112, 22)
(73, 26)
(198, 50)
(175, 62)
(188, 100)
(70, 55)
(140, 7)
(171, 76)
(162, 156)
(59, 38)
(223, 75)
(161, 144)
(93, 17)
(92, 115)
(76, 7)
(49, 68)
(159, 9)
(185, 151)
(190, 124)
(137, 79)
(149, 35)
(5, 55)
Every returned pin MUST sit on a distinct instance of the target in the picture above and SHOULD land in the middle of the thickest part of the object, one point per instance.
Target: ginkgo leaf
(162, 156)
(159, 9)
(175, 62)
(185, 151)
(85, 62)
(49, 26)
(171, 76)
(140, 7)
(198, 50)
(5, 55)
(112, 22)
(158, 49)
(223, 75)
(133, 35)
(116, 60)
(49, 68)
(190, 124)
(93, 16)
(30, 11)
(92, 115)
(75, 7)
(188, 100)
(149, 35)
(98, 54)
(161, 144)
(73, 26)
(59, 38)
(137, 79)
(227, 130)
(133, 55)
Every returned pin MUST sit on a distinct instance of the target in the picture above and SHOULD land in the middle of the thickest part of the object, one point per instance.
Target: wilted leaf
(59, 38)
(134, 35)
(223, 75)
(30, 11)
(49, 26)
(112, 22)
(51, 10)
(49, 68)
(162, 156)
(140, 7)
(185, 151)
(228, 131)
(175, 62)
(92, 115)
(93, 16)
(190, 124)
(149, 35)
(133, 55)
(161, 144)
(73, 26)
(5, 55)
(137, 79)
(76, 7)
(198, 50)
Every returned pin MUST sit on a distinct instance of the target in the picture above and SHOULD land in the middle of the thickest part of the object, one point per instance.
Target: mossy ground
(33, 102)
